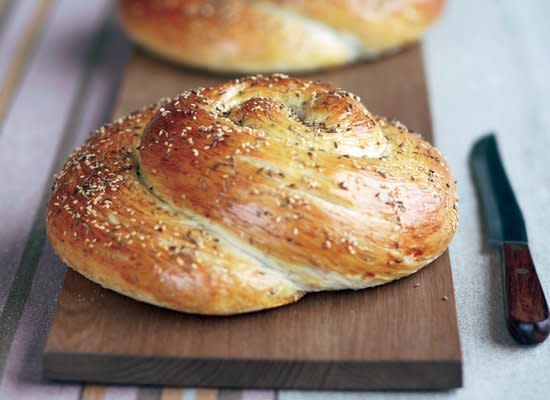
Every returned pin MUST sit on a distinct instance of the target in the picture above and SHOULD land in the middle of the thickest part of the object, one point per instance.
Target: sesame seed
(343, 185)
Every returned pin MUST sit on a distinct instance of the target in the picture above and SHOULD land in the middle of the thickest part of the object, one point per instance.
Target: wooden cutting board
(399, 336)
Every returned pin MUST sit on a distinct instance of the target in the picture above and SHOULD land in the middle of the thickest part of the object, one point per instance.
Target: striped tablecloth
(488, 66)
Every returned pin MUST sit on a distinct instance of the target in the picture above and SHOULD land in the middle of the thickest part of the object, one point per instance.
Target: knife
(526, 309)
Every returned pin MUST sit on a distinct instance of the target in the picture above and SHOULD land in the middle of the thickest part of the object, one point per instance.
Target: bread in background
(275, 35)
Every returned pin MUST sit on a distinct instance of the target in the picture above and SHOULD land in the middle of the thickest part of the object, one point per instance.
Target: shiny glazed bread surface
(248, 195)
(274, 35)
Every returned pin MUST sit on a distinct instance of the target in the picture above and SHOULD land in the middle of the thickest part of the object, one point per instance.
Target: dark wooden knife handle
(526, 308)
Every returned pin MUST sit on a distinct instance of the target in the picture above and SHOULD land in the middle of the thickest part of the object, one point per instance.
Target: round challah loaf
(274, 35)
(248, 195)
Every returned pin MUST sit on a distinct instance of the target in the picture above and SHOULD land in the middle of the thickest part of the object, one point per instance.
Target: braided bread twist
(274, 35)
(249, 194)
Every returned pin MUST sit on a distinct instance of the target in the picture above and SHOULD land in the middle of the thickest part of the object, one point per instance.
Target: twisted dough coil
(248, 195)
(274, 35)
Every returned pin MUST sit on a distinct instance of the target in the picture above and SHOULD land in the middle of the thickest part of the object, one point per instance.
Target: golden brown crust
(274, 35)
(247, 195)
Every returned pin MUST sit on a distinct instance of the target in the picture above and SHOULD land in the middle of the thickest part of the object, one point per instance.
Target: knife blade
(527, 316)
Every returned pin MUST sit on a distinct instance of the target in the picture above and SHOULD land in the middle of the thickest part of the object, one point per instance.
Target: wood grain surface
(399, 336)
(527, 315)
